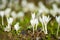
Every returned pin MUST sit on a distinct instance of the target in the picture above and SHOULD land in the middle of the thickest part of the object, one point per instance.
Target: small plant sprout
(7, 28)
(16, 26)
(2, 15)
(58, 21)
(34, 21)
(44, 20)
(10, 20)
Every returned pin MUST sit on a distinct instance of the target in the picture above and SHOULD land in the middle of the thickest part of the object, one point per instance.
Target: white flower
(34, 21)
(24, 3)
(2, 13)
(41, 20)
(55, 10)
(58, 19)
(42, 8)
(44, 20)
(33, 16)
(7, 12)
(53, 13)
(9, 20)
(7, 28)
(40, 11)
(31, 6)
(13, 14)
(25, 9)
(20, 14)
(41, 5)
(16, 26)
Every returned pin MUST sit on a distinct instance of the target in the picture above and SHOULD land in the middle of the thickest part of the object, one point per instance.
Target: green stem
(36, 27)
(42, 27)
(57, 30)
(2, 21)
(46, 29)
(33, 29)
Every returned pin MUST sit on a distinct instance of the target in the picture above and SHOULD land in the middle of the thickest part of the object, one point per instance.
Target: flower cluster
(44, 20)
(34, 21)
(12, 15)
